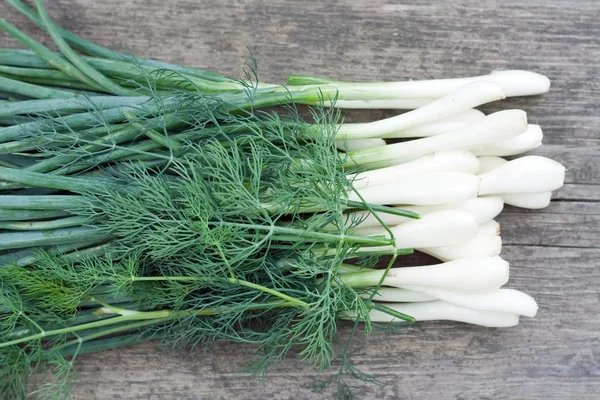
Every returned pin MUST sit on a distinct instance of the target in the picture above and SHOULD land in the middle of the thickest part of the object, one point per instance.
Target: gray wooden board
(553, 253)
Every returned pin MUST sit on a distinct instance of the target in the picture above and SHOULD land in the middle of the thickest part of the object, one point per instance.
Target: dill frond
(219, 238)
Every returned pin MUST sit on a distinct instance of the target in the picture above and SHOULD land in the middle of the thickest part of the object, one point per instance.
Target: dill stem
(383, 209)
(135, 316)
(124, 340)
(304, 234)
(392, 312)
(150, 317)
(233, 281)
(273, 292)
(163, 278)
(110, 331)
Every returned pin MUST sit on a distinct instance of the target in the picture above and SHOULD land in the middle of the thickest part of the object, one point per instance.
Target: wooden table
(554, 253)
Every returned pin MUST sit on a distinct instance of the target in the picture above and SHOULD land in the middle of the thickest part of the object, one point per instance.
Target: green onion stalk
(30, 73)
(66, 113)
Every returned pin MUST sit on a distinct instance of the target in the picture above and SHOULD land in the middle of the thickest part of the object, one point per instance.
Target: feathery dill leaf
(221, 241)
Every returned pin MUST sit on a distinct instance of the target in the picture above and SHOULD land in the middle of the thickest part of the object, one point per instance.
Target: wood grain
(553, 253)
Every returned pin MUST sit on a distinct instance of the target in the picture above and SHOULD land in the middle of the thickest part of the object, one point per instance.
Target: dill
(222, 242)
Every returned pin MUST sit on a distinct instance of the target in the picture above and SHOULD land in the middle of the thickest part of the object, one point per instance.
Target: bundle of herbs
(142, 200)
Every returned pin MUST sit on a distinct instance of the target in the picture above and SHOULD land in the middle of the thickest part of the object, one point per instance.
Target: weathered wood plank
(553, 253)
(578, 192)
(565, 224)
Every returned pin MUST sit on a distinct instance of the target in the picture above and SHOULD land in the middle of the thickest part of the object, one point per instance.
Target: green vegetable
(219, 247)
(219, 237)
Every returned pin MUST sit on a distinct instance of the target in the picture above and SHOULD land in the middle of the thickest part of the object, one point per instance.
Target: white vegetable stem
(397, 104)
(528, 140)
(492, 227)
(359, 144)
(493, 128)
(488, 163)
(452, 123)
(397, 295)
(441, 310)
(532, 201)
(442, 228)
(460, 161)
(467, 117)
(434, 188)
(464, 98)
(469, 274)
(530, 174)
(481, 245)
(482, 208)
(502, 300)
(512, 82)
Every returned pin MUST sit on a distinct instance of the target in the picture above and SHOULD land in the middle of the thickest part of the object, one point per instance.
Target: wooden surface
(554, 253)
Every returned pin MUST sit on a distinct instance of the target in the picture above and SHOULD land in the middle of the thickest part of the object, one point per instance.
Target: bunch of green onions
(143, 200)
